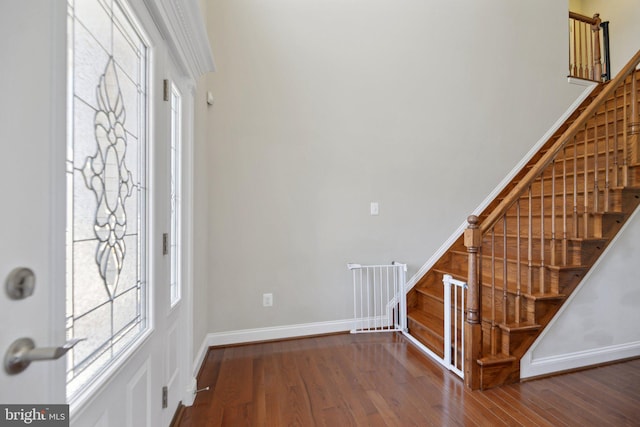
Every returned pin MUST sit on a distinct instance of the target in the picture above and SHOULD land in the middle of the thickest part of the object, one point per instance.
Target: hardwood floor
(383, 380)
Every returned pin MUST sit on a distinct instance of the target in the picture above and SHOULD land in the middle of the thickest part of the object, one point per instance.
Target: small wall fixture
(209, 98)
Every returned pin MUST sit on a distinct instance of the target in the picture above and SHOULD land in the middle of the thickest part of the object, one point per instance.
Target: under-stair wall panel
(599, 322)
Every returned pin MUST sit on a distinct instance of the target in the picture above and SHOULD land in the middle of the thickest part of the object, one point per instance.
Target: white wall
(323, 106)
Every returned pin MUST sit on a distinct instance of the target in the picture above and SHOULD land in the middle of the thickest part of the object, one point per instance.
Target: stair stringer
(586, 329)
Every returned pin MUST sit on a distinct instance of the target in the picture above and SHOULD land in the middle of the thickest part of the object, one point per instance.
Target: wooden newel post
(472, 326)
(597, 63)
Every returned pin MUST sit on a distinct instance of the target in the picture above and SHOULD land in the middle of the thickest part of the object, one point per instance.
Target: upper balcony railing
(585, 47)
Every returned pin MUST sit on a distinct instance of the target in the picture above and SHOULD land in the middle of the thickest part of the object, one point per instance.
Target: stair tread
(424, 319)
(434, 326)
(519, 327)
(546, 296)
(628, 187)
(497, 359)
(456, 276)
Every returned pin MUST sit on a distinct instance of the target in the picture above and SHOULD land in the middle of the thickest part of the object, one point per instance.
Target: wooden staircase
(529, 249)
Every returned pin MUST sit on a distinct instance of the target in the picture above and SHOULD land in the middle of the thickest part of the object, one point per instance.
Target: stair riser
(434, 306)
(430, 305)
(517, 343)
(626, 201)
(493, 376)
(531, 310)
(634, 176)
(540, 311)
(432, 341)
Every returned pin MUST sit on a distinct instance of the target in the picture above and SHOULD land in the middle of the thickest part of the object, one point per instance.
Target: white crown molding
(182, 25)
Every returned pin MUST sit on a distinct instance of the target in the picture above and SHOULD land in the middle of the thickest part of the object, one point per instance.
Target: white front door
(32, 137)
(33, 131)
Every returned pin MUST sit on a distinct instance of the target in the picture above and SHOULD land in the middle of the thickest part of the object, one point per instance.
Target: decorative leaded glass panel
(106, 187)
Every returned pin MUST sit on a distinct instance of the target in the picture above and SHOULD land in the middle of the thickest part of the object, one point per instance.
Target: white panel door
(32, 138)
(131, 394)
(34, 167)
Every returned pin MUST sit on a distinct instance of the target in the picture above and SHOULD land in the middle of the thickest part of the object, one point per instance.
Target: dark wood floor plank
(517, 407)
(383, 380)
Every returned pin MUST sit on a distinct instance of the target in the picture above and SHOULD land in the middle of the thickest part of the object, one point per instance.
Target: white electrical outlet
(267, 300)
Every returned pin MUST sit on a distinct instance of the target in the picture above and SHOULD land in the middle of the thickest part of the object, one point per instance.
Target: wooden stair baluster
(505, 284)
(606, 157)
(575, 186)
(625, 137)
(564, 207)
(541, 288)
(616, 171)
(494, 337)
(596, 188)
(575, 51)
(552, 243)
(530, 245)
(518, 264)
(585, 202)
(634, 122)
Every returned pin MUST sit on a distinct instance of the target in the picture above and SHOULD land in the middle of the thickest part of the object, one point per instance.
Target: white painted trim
(456, 234)
(268, 333)
(58, 193)
(423, 348)
(188, 244)
(581, 82)
(533, 367)
(578, 359)
(182, 25)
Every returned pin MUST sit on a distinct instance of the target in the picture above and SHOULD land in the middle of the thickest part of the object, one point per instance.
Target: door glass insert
(175, 237)
(106, 293)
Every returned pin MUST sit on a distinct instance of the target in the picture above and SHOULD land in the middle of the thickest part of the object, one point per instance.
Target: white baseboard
(266, 334)
(580, 359)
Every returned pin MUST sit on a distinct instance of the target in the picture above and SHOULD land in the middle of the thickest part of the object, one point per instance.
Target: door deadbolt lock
(21, 283)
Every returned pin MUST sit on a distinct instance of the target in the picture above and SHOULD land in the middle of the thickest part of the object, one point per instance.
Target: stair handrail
(583, 18)
(555, 149)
